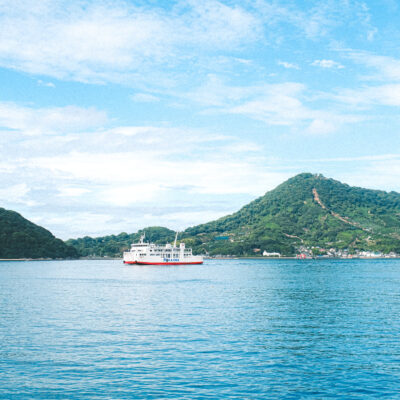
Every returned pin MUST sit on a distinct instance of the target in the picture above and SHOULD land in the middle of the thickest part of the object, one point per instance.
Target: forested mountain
(115, 245)
(305, 211)
(308, 210)
(20, 238)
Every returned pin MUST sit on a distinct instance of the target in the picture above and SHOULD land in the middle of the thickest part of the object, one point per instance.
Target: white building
(266, 254)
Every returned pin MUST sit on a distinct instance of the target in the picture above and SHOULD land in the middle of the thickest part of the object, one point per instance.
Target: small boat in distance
(154, 254)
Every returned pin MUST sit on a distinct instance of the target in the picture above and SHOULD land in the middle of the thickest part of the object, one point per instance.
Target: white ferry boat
(153, 254)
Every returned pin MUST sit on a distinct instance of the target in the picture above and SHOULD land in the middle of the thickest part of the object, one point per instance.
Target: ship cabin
(167, 251)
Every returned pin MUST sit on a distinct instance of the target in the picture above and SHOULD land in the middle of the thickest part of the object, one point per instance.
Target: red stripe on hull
(130, 262)
(168, 263)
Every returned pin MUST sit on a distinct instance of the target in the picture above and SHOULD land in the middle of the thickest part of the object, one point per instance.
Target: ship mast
(176, 237)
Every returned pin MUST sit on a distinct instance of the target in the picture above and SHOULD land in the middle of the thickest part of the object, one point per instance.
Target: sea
(227, 329)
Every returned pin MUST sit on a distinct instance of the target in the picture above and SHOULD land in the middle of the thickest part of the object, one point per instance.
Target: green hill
(305, 211)
(20, 238)
(114, 245)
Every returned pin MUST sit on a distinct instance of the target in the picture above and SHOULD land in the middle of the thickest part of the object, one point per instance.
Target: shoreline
(302, 259)
(208, 258)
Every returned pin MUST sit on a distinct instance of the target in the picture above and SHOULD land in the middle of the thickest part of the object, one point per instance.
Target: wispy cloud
(379, 174)
(284, 104)
(16, 194)
(368, 96)
(386, 68)
(288, 65)
(319, 19)
(106, 41)
(51, 120)
(144, 98)
(148, 175)
(327, 64)
(47, 84)
(113, 41)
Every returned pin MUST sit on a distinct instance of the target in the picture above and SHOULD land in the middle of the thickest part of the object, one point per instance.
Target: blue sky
(117, 115)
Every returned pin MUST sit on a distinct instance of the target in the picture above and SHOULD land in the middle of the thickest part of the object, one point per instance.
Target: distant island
(308, 215)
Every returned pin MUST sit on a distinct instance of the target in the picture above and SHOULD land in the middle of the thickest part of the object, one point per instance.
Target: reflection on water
(226, 329)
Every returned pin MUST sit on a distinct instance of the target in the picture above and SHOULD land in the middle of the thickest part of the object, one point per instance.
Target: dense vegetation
(115, 245)
(20, 238)
(307, 210)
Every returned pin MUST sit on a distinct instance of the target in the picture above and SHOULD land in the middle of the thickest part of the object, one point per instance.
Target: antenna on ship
(176, 237)
(142, 237)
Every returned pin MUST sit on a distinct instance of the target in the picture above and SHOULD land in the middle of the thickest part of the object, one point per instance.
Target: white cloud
(276, 105)
(388, 68)
(386, 95)
(140, 176)
(69, 224)
(115, 41)
(287, 104)
(283, 105)
(144, 166)
(16, 194)
(131, 193)
(215, 92)
(378, 174)
(321, 126)
(144, 98)
(371, 34)
(133, 130)
(288, 65)
(37, 121)
(327, 64)
(318, 19)
(47, 84)
(243, 147)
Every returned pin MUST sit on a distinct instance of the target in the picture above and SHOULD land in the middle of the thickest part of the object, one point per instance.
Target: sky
(117, 115)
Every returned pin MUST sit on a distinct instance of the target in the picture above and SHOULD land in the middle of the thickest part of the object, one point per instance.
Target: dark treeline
(20, 238)
(115, 245)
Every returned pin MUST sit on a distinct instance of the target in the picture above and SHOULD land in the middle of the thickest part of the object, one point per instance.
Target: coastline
(301, 259)
(206, 258)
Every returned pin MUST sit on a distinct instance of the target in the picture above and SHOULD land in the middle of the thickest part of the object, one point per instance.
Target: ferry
(153, 254)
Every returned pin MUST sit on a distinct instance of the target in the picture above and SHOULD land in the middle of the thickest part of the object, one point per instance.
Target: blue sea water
(229, 329)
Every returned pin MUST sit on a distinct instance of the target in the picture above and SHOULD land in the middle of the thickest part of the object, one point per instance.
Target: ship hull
(163, 263)
(168, 263)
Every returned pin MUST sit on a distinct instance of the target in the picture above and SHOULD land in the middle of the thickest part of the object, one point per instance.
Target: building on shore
(273, 254)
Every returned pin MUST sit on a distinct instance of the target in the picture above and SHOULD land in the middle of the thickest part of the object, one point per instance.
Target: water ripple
(237, 329)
